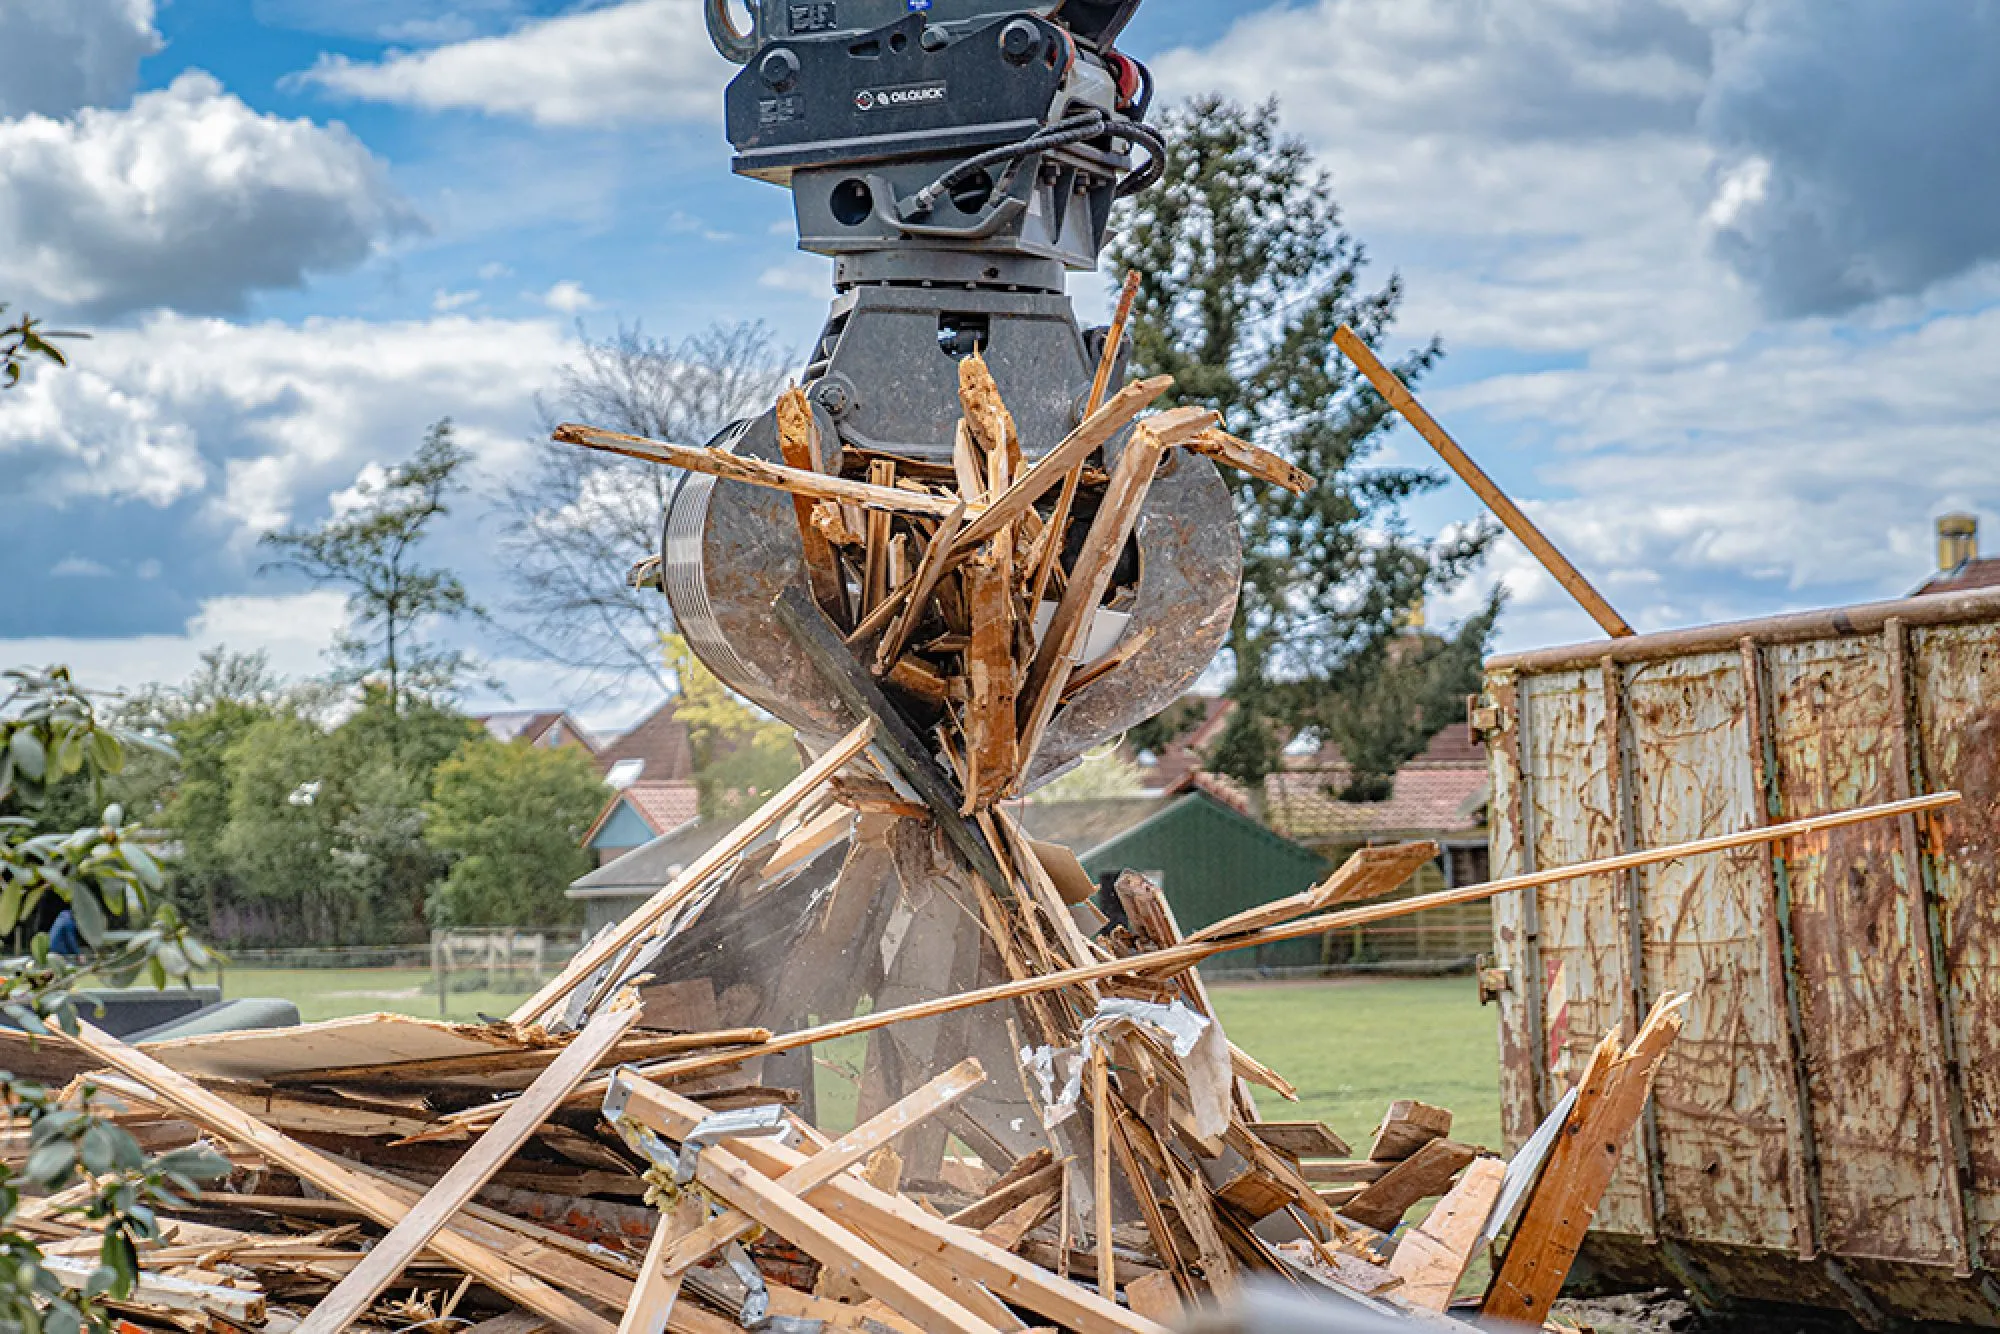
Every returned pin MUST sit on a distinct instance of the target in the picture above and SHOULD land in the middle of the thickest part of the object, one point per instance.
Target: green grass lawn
(331, 993)
(1353, 1046)
(1350, 1045)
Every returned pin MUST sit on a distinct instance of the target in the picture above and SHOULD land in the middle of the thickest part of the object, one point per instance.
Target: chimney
(1958, 541)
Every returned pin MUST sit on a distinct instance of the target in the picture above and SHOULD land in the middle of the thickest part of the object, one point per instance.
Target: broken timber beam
(1177, 959)
(1390, 385)
(352, 1297)
(334, 1177)
(1611, 1097)
(756, 472)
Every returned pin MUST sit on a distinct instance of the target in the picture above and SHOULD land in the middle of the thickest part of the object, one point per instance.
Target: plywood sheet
(358, 1040)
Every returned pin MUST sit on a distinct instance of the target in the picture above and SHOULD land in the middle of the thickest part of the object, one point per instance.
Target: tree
(580, 521)
(741, 756)
(372, 552)
(325, 829)
(1095, 778)
(105, 873)
(1245, 273)
(511, 817)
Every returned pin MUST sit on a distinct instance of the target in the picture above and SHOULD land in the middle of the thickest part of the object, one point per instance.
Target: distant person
(64, 938)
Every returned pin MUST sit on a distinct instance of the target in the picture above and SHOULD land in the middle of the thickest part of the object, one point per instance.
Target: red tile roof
(1973, 574)
(1429, 799)
(664, 807)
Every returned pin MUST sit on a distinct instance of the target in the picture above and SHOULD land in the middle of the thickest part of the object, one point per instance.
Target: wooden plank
(916, 599)
(1301, 1139)
(1425, 1173)
(1008, 1195)
(1612, 1094)
(905, 1229)
(756, 472)
(1096, 432)
(986, 415)
(798, 443)
(1432, 1257)
(643, 918)
(430, 1073)
(1368, 874)
(165, 1292)
(1407, 1126)
(1179, 958)
(1258, 462)
(1100, 1168)
(1344, 1171)
(334, 1177)
(1391, 387)
(841, 1253)
(352, 1297)
(990, 738)
(1116, 517)
(1157, 1298)
(653, 1298)
(876, 1133)
(1114, 342)
(875, 558)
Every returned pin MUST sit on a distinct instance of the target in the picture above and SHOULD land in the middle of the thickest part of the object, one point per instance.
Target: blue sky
(1715, 277)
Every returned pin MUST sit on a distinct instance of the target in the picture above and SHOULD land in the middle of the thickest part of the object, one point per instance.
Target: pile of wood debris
(1100, 1166)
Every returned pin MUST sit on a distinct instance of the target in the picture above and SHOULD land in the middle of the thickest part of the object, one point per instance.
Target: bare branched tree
(576, 525)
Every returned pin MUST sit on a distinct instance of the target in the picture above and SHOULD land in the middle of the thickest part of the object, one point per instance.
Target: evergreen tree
(372, 552)
(1245, 273)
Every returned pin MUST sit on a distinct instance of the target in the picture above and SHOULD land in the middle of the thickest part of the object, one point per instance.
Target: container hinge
(1486, 718)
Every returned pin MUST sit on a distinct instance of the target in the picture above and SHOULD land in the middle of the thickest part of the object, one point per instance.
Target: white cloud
(79, 567)
(1544, 176)
(59, 55)
(568, 297)
(261, 421)
(805, 276)
(444, 303)
(644, 60)
(188, 199)
(294, 630)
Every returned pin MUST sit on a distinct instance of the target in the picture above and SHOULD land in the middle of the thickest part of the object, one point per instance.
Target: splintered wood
(639, 1147)
(958, 586)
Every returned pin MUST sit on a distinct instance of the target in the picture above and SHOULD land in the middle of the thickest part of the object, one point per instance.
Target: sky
(1716, 280)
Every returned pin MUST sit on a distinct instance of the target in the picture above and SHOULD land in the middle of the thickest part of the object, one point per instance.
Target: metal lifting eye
(735, 45)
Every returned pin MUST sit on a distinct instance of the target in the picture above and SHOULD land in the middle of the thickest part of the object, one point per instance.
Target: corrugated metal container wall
(1214, 862)
(1827, 1130)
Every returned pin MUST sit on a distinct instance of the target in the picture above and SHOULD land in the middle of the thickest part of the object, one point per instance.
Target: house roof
(660, 742)
(1085, 825)
(1428, 799)
(664, 807)
(651, 867)
(531, 724)
(1975, 573)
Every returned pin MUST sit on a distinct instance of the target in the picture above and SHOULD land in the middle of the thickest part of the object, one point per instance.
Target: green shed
(1211, 859)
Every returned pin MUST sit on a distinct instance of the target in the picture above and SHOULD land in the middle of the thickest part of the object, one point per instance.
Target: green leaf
(10, 905)
(142, 861)
(107, 754)
(98, 1149)
(50, 1164)
(89, 916)
(27, 753)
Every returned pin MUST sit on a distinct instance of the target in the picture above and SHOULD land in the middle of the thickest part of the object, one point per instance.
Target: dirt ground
(1668, 1312)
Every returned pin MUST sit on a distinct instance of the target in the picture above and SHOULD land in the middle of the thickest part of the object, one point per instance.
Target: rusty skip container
(1827, 1130)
